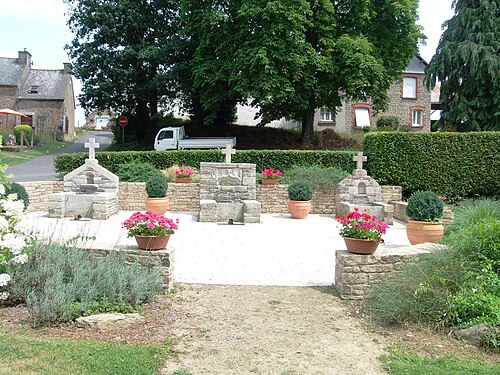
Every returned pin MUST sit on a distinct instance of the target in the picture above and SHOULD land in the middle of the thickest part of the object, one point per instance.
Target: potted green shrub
(425, 210)
(156, 188)
(299, 195)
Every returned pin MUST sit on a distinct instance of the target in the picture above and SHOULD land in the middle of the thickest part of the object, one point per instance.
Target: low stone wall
(164, 259)
(400, 212)
(38, 193)
(355, 274)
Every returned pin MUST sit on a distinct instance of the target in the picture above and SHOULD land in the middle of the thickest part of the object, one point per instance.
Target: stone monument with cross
(90, 191)
(228, 191)
(362, 191)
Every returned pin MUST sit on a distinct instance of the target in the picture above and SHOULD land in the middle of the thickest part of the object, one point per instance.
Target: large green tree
(467, 63)
(123, 52)
(290, 57)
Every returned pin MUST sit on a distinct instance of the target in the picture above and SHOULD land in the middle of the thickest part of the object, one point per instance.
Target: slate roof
(416, 65)
(51, 84)
(10, 71)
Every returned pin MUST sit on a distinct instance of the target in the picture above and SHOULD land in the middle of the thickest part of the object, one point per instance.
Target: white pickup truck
(176, 139)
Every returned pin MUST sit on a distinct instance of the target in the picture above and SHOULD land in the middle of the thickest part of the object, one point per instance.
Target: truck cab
(168, 138)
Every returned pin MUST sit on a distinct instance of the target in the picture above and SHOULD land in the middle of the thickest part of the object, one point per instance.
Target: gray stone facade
(228, 193)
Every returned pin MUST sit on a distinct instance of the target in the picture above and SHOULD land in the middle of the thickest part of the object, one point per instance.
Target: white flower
(474, 290)
(14, 243)
(20, 259)
(13, 207)
(4, 279)
(4, 296)
(2, 189)
(4, 224)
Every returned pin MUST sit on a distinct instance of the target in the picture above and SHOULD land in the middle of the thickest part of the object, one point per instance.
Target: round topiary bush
(300, 191)
(137, 171)
(20, 191)
(26, 129)
(156, 187)
(425, 206)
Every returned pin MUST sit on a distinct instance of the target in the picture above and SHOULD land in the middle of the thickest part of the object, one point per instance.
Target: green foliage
(388, 123)
(466, 63)
(26, 129)
(137, 171)
(59, 283)
(318, 176)
(18, 189)
(24, 354)
(450, 164)
(424, 206)
(300, 191)
(472, 212)
(156, 186)
(279, 159)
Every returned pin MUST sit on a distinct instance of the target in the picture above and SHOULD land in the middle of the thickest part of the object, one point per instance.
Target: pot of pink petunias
(151, 231)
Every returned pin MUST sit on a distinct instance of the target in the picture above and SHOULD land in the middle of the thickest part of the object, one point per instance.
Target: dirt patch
(217, 329)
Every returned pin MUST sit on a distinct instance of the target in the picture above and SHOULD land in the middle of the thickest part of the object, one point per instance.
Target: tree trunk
(308, 125)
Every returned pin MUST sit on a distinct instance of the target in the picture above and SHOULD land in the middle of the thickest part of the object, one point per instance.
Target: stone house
(46, 96)
(409, 100)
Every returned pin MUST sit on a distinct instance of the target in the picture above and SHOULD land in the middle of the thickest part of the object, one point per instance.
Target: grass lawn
(404, 362)
(23, 354)
(17, 157)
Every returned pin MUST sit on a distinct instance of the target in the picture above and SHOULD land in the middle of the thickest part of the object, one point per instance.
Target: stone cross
(359, 159)
(228, 151)
(91, 145)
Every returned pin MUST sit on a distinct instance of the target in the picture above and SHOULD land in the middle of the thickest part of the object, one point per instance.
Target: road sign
(123, 121)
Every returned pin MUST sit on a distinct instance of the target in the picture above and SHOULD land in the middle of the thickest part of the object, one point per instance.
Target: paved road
(41, 168)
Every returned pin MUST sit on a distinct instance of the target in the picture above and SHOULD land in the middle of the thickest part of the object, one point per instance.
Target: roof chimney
(24, 58)
(67, 68)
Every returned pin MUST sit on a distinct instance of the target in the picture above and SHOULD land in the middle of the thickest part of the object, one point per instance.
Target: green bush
(450, 164)
(318, 176)
(26, 129)
(279, 159)
(137, 171)
(471, 212)
(60, 283)
(20, 191)
(424, 206)
(156, 187)
(387, 123)
(300, 191)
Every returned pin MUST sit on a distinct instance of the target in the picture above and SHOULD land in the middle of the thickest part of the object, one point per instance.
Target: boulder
(108, 319)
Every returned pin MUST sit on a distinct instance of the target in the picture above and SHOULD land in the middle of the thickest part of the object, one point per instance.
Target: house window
(33, 89)
(410, 87)
(325, 115)
(417, 116)
(362, 116)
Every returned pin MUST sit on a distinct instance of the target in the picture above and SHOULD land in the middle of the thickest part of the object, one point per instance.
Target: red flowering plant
(149, 224)
(184, 172)
(362, 226)
(271, 174)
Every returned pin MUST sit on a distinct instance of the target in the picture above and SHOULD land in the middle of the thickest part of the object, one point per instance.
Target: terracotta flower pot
(157, 205)
(183, 180)
(424, 231)
(358, 246)
(299, 209)
(152, 242)
(269, 182)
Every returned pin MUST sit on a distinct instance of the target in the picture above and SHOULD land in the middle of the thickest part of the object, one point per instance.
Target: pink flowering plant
(362, 226)
(184, 172)
(271, 174)
(149, 224)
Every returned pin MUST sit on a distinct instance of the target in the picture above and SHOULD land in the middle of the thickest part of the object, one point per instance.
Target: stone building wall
(52, 110)
(356, 274)
(8, 100)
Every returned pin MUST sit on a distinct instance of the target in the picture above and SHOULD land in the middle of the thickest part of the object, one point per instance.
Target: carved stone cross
(91, 145)
(228, 151)
(359, 159)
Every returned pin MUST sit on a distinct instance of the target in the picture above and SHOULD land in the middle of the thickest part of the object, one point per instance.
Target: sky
(40, 26)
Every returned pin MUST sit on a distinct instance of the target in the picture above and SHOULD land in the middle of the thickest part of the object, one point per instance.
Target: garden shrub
(425, 206)
(300, 191)
(471, 212)
(20, 191)
(387, 123)
(278, 159)
(450, 164)
(26, 129)
(156, 186)
(60, 283)
(318, 176)
(137, 171)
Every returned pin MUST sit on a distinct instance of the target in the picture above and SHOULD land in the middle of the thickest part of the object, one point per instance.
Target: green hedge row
(281, 159)
(450, 164)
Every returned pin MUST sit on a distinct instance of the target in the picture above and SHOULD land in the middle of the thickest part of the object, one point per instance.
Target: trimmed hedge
(278, 159)
(450, 164)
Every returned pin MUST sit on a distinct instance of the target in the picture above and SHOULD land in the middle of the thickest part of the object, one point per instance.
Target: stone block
(108, 319)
